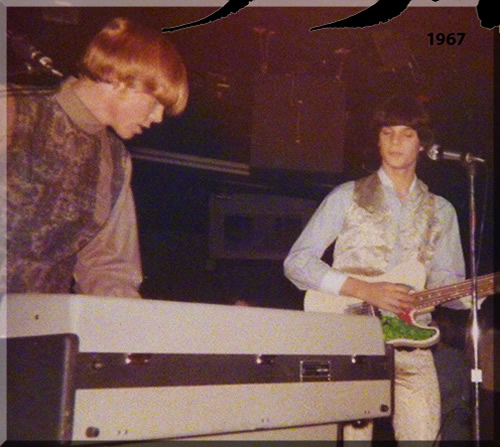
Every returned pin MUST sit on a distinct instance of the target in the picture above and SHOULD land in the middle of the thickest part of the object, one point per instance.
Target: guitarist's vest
(54, 205)
(371, 233)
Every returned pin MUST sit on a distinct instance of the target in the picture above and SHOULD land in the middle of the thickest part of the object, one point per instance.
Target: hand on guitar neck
(384, 295)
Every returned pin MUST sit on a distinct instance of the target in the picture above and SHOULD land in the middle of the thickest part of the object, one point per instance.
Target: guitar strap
(424, 254)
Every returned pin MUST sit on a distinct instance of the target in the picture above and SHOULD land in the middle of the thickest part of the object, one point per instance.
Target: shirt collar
(76, 109)
(386, 181)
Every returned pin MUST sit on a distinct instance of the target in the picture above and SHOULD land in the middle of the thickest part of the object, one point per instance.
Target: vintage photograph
(248, 229)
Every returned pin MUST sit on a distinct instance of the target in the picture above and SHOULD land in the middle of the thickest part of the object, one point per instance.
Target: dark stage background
(277, 117)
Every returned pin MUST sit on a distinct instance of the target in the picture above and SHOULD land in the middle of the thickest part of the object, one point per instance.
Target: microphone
(436, 153)
(30, 54)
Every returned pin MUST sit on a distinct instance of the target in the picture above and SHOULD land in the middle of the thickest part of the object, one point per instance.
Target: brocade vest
(371, 232)
(54, 208)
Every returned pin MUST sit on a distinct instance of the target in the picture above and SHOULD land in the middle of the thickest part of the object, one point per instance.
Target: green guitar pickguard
(394, 328)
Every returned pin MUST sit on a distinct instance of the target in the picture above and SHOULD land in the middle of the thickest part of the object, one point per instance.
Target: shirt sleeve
(448, 265)
(110, 265)
(303, 265)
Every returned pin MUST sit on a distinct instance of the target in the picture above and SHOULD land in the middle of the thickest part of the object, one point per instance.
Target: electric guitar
(402, 329)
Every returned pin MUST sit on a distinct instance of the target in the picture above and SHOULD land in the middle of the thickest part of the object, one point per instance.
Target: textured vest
(370, 232)
(52, 175)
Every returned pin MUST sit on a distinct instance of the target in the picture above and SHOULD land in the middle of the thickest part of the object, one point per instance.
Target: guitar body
(400, 330)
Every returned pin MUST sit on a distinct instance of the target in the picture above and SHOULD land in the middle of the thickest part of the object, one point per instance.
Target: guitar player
(378, 223)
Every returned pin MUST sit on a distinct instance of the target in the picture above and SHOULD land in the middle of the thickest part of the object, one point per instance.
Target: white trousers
(417, 403)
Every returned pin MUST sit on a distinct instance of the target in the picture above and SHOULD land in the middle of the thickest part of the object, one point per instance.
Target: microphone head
(433, 152)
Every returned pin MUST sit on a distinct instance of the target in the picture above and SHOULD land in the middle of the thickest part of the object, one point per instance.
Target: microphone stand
(476, 373)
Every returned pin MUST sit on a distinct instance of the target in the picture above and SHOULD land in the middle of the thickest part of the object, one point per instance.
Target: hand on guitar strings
(384, 295)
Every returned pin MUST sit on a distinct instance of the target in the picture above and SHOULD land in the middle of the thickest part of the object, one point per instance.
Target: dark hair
(404, 111)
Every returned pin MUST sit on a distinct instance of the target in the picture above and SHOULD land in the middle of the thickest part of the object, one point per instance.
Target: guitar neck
(433, 297)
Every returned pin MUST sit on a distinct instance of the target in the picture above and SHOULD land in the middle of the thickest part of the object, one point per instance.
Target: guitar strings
(485, 286)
